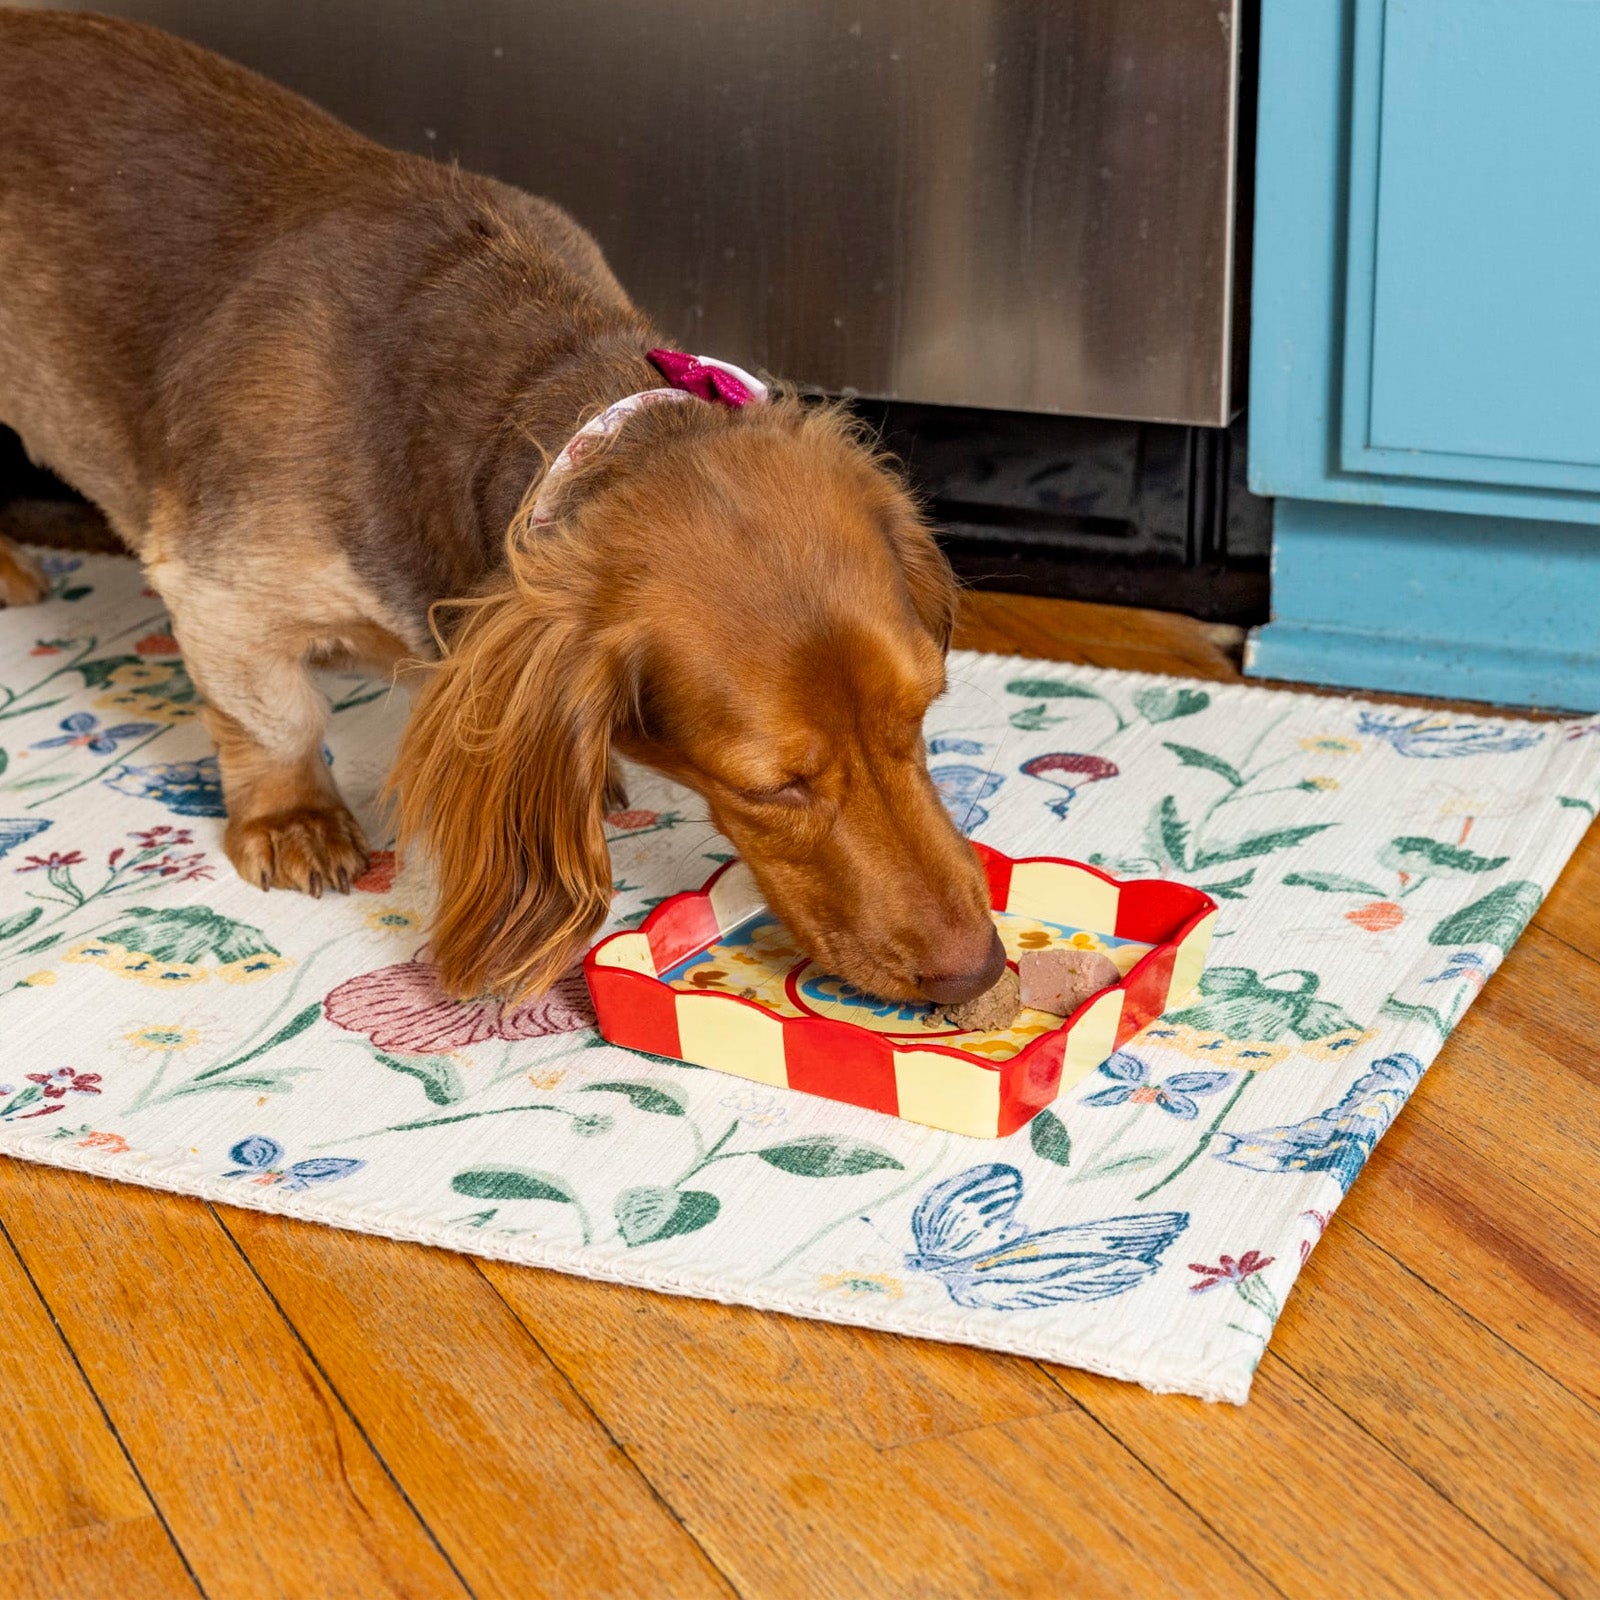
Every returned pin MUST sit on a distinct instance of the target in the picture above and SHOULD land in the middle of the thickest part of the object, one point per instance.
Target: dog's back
(183, 240)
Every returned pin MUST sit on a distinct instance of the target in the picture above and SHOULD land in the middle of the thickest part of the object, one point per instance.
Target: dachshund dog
(314, 383)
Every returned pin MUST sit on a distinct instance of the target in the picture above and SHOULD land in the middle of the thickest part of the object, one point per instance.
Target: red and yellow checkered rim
(940, 1085)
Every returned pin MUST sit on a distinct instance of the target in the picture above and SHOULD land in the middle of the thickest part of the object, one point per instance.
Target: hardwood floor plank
(519, 1481)
(131, 1560)
(1498, 1438)
(814, 1459)
(1293, 1482)
(1071, 630)
(266, 1483)
(1571, 911)
(1509, 1101)
(1547, 991)
(1458, 1219)
(61, 1467)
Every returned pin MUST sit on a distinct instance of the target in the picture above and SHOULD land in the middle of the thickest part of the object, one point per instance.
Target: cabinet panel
(1472, 349)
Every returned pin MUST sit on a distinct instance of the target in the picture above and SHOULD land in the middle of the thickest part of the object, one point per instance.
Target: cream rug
(165, 1024)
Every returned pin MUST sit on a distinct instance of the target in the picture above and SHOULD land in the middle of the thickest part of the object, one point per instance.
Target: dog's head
(748, 602)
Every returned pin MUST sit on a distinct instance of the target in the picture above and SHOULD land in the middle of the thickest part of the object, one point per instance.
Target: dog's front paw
(21, 582)
(311, 848)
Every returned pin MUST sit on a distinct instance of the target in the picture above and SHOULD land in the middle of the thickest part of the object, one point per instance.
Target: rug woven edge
(1222, 1383)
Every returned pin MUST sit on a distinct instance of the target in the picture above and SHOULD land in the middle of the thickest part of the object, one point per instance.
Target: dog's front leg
(21, 583)
(287, 828)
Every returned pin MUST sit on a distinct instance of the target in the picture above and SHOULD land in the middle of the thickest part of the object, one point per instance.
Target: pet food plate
(713, 978)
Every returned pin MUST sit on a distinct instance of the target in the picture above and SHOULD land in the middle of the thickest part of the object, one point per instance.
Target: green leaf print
(1497, 919)
(510, 1183)
(1568, 800)
(1192, 757)
(21, 922)
(98, 674)
(1048, 1135)
(650, 1212)
(296, 1025)
(1258, 844)
(1139, 1161)
(1331, 883)
(46, 943)
(1168, 833)
(1162, 704)
(664, 1099)
(1229, 888)
(1432, 858)
(440, 1080)
(1049, 689)
(186, 934)
(823, 1155)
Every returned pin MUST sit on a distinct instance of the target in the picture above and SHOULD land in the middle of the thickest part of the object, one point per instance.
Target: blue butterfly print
(261, 1158)
(83, 728)
(19, 830)
(1434, 738)
(1174, 1095)
(967, 1234)
(1337, 1140)
(948, 746)
(961, 787)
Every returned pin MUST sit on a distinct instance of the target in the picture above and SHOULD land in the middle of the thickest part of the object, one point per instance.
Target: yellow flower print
(248, 968)
(1330, 744)
(38, 980)
(861, 1285)
(160, 1038)
(136, 965)
(1085, 941)
(1322, 783)
(1217, 1049)
(393, 919)
(547, 1080)
(1335, 1046)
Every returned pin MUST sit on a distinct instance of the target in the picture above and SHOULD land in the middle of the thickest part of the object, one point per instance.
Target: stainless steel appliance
(1023, 204)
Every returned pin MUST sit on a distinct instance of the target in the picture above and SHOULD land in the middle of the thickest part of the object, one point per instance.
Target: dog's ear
(501, 779)
(928, 578)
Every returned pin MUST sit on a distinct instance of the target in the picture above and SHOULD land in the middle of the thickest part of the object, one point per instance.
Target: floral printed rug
(167, 1024)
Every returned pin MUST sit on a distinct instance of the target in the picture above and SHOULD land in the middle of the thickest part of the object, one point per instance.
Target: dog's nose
(965, 980)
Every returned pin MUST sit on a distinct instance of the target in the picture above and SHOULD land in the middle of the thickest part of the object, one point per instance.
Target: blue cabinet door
(1425, 346)
(1472, 326)
(1426, 314)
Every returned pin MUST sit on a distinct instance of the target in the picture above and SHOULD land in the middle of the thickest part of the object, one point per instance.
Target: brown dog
(310, 381)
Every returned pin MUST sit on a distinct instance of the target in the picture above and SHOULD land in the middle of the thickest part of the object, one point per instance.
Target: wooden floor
(198, 1398)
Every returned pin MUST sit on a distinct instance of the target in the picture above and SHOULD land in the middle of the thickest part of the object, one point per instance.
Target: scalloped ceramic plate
(712, 978)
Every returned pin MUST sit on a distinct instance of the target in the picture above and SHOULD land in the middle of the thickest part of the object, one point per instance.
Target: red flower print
(53, 861)
(1228, 1270)
(627, 821)
(45, 648)
(162, 837)
(157, 644)
(403, 1008)
(1322, 1219)
(379, 876)
(58, 1083)
(1377, 917)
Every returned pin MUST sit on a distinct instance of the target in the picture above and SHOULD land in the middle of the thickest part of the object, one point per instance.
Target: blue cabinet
(1425, 366)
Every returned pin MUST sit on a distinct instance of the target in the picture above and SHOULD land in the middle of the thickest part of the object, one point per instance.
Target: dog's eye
(794, 793)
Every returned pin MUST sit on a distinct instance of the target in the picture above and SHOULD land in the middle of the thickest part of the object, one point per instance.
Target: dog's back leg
(21, 582)
(288, 827)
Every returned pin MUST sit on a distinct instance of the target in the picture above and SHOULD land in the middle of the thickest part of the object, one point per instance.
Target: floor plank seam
(1416, 1472)
(1476, 1321)
(332, 1388)
(111, 1427)
(605, 1427)
(1199, 1516)
(1566, 944)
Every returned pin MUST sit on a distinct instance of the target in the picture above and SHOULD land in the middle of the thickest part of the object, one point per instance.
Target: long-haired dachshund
(315, 385)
